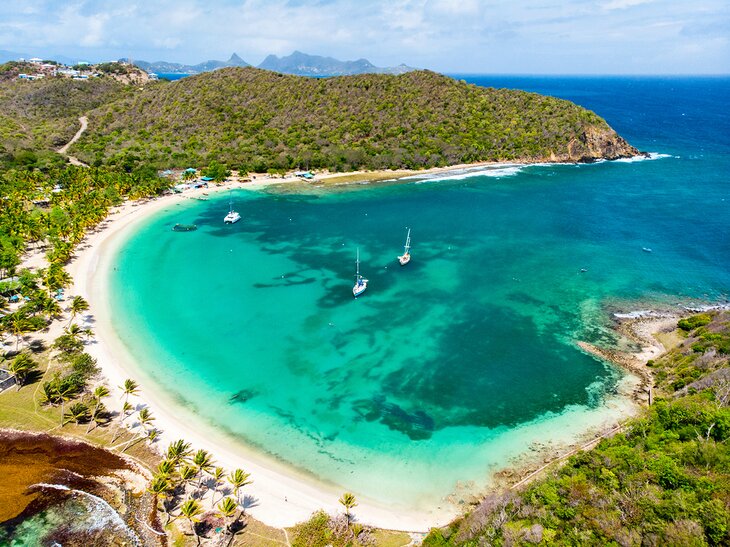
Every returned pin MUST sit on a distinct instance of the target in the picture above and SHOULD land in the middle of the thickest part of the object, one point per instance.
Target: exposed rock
(597, 143)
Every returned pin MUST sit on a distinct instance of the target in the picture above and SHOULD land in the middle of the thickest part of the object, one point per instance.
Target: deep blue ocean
(172, 76)
(673, 114)
(447, 369)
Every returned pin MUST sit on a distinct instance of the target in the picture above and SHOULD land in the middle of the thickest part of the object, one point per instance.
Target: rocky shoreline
(72, 492)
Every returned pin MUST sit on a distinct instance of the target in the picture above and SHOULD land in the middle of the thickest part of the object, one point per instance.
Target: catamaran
(232, 215)
(360, 283)
(405, 258)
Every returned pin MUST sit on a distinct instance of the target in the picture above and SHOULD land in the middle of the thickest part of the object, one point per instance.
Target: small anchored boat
(405, 258)
(184, 228)
(360, 283)
(232, 215)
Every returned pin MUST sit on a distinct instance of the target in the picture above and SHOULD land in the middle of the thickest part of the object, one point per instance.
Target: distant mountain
(298, 63)
(163, 67)
(64, 60)
(6, 56)
(302, 64)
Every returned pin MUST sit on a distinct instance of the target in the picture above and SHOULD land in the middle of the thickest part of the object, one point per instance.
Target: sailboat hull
(359, 288)
(405, 258)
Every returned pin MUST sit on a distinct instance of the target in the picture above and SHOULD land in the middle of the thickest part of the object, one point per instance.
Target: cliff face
(597, 143)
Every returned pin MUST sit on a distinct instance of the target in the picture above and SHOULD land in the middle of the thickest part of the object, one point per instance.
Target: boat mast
(408, 241)
(357, 267)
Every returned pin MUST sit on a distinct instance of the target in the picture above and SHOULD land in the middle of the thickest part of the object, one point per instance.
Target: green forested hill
(257, 120)
(38, 117)
(665, 480)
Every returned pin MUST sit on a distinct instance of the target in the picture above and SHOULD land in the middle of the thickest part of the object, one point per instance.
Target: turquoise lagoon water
(448, 368)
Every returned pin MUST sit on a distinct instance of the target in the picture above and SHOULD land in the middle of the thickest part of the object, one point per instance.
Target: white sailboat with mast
(405, 258)
(360, 283)
(232, 215)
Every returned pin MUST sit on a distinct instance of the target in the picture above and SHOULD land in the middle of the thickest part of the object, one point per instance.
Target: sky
(452, 36)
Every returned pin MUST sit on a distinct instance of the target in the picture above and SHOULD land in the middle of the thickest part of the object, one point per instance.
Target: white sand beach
(283, 496)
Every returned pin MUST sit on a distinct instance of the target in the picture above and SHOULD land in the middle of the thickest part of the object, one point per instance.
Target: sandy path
(84, 121)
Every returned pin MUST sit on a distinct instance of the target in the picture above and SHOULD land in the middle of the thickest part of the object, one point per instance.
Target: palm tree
(50, 393)
(159, 487)
(204, 462)
(21, 367)
(126, 408)
(166, 468)
(187, 475)
(238, 479)
(130, 387)
(190, 510)
(144, 417)
(77, 412)
(152, 434)
(55, 277)
(99, 415)
(51, 308)
(178, 451)
(217, 475)
(18, 325)
(65, 393)
(74, 331)
(99, 393)
(227, 510)
(78, 305)
(348, 501)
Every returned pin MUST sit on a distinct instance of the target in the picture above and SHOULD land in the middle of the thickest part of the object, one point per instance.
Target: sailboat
(405, 258)
(232, 215)
(360, 283)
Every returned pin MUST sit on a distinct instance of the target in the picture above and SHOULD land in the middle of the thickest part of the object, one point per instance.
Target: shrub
(691, 323)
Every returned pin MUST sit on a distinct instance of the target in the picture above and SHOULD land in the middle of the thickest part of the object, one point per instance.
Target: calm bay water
(447, 368)
(172, 76)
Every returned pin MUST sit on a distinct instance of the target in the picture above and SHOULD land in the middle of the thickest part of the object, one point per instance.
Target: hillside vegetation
(257, 120)
(665, 480)
(37, 117)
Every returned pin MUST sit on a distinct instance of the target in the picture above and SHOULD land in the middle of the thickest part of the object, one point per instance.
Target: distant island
(298, 63)
(165, 67)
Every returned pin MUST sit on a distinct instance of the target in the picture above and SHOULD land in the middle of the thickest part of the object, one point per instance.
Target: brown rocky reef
(62, 491)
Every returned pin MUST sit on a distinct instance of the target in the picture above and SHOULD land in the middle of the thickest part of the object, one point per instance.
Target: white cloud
(455, 7)
(624, 4)
(449, 35)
